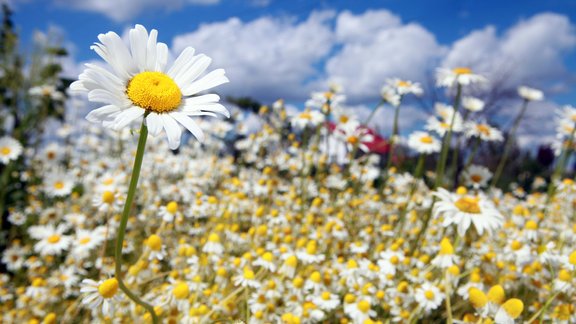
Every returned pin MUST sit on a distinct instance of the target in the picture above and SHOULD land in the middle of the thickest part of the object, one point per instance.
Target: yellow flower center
(531, 225)
(54, 239)
(214, 238)
(572, 258)
(446, 247)
(477, 297)
(426, 139)
(352, 139)
(476, 178)
(462, 70)
(316, 277)
(291, 261)
(38, 282)
(268, 257)
(364, 306)
(108, 288)
(326, 295)
(154, 91)
(154, 242)
(564, 275)
(5, 150)
(311, 247)
(58, 185)
(483, 129)
(402, 83)
(249, 274)
(513, 307)
(181, 291)
(445, 125)
(172, 207)
(344, 119)
(496, 294)
(108, 197)
(306, 115)
(429, 294)
(468, 205)
(84, 240)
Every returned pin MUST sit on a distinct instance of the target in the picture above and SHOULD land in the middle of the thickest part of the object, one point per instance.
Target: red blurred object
(379, 145)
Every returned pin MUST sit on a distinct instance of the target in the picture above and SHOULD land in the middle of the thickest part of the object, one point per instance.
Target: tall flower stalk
(441, 167)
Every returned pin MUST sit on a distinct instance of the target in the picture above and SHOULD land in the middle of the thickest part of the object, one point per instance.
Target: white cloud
(380, 48)
(531, 52)
(268, 58)
(122, 10)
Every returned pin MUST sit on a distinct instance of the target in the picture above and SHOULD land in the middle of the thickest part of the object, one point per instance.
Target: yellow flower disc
(108, 288)
(154, 91)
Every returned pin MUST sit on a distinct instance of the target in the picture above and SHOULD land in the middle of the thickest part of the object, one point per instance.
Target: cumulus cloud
(122, 10)
(268, 58)
(531, 52)
(375, 46)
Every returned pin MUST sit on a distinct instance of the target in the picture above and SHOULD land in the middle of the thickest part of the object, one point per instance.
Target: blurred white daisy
(472, 104)
(530, 94)
(429, 297)
(423, 143)
(142, 85)
(101, 296)
(476, 176)
(10, 149)
(460, 75)
(464, 210)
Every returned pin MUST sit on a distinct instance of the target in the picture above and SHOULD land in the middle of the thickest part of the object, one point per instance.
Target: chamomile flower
(446, 257)
(429, 297)
(472, 104)
(509, 311)
(213, 244)
(102, 296)
(141, 84)
(155, 247)
(476, 176)
(530, 94)
(52, 240)
(246, 279)
(465, 210)
(170, 211)
(459, 75)
(423, 143)
(307, 118)
(326, 301)
(58, 185)
(483, 131)
(10, 149)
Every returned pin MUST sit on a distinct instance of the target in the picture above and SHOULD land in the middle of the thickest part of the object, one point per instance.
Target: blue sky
(288, 48)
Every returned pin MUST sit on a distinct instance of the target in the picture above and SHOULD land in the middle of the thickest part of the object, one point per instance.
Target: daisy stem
(124, 222)
(508, 145)
(560, 167)
(448, 292)
(395, 132)
(447, 140)
(472, 154)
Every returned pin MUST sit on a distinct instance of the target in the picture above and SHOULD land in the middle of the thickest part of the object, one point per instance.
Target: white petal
(161, 57)
(210, 107)
(151, 50)
(126, 117)
(107, 97)
(189, 124)
(154, 123)
(172, 129)
(192, 71)
(183, 59)
(138, 41)
(210, 80)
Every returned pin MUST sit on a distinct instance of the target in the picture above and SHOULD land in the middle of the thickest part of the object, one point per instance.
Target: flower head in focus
(141, 84)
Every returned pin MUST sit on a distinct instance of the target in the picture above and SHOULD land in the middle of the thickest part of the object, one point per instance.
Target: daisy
(141, 84)
(479, 301)
(472, 104)
(17, 218)
(10, 149)
(288, 268)
(156, 248)
(52, 241)
(46, 91)
(429, 297)
(361, 312)
(464, 210)
(246, 279)
(100, 296)
(483, 131)
(530, 94)
(86, 241)
(423, 143)
(476, 176)
(446, 257)
(460, 75)
(213, 245)
(354, 135)
(326, 301)
(266, 261)
(307, 118)
(509, 311)
(169, 212)
(58, 185)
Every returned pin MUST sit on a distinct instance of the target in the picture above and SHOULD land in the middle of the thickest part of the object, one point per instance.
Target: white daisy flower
(530, 94)
(460, 75)
(472, 104)
(307, 118)
(326, 301)
(52, 240)
(156, 248)
(10, 149)
(423, 143)
(466, 210)
(58, 185)
(429, 297)
(476, 176)
(509, 311)
(483, 131)
(142, 85)
(101, 296)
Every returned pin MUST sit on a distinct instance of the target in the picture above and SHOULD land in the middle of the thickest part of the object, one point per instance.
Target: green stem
(124, 222)
(559, 169)
(508, 146)
(472, 154)
(446, 142)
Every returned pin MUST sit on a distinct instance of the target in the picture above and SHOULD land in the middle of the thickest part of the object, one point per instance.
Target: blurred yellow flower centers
(108, 288)
(429, 294)
(513, 307)
(108, 197)
(58, 185)
(5, 150)
(54, 239)
(154, 91)
(181, 291)
(446, 247)
(154, 242)
(462, 70)
(352, 140)
(468, 205)
(172, 207)
(426, 139)
(477, 297)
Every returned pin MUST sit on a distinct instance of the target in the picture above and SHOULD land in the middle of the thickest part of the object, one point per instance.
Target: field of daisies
(161, 207)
